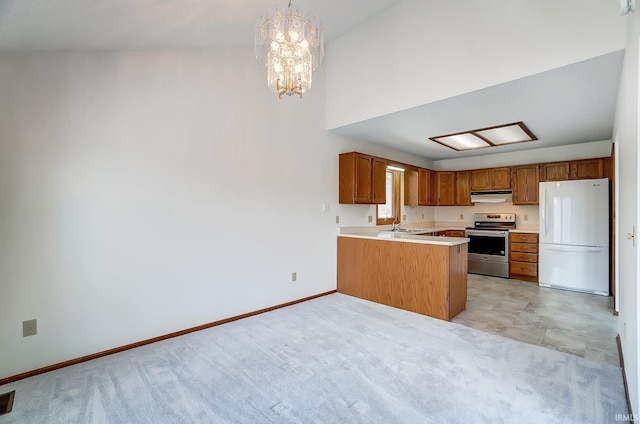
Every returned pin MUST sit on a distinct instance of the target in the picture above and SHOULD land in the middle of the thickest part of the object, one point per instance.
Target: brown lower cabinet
(454, 233)
(523, 257)
(430, 279)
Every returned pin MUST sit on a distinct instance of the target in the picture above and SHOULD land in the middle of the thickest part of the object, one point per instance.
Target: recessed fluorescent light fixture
(395, 168)
(499, 135)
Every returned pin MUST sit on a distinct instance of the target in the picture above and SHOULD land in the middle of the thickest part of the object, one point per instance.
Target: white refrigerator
(574, 235)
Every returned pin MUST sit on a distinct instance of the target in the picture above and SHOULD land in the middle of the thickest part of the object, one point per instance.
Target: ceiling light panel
(487, 137)
(465, 141)
(513, 133)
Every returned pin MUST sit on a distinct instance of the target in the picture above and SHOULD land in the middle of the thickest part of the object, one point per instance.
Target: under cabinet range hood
(491, 196)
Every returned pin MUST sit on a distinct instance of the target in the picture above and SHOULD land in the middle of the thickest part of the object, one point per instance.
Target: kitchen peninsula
(423, 274)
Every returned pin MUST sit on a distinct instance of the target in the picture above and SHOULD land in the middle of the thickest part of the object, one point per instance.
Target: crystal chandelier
(291, 47)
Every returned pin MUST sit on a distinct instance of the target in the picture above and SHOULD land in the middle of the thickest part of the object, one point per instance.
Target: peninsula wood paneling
(458, 263)
(423, 278)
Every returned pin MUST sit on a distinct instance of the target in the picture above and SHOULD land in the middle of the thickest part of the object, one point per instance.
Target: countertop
(525, 230)
(407, 238)
(383, 232)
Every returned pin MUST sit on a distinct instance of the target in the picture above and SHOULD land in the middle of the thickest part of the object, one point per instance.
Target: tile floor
(577, 323)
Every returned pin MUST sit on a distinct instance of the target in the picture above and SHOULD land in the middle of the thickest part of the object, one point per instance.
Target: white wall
(596, 149)
(626, 136)
(143, 193)
(526, 215)
(421, 51)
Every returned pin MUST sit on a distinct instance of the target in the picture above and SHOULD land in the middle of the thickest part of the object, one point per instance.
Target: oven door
(488, 245)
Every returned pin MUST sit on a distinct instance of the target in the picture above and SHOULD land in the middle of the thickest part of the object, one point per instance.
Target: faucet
(395, 226)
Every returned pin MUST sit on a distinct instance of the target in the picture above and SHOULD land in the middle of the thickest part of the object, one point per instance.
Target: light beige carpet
(335, 359)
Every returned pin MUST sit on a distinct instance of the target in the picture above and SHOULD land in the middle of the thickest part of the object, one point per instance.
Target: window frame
(396, 200)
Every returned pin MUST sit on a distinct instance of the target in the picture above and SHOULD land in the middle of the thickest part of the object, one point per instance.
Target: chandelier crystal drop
(290, 45)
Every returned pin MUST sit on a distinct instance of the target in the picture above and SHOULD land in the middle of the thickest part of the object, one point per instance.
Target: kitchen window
(389, 212)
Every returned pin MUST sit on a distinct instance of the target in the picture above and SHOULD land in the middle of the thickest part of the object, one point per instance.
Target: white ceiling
(569, 105)
(157, 24)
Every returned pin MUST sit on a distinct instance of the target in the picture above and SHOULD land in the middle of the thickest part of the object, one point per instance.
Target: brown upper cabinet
(423, 186)
(446, 188)
(554, 171)
(573, 170)
(480, 179)
(420, 187)
(491, 179)
(587, 168)
(525, 184)
(501, 178)
(379, 176)
(427, 187)
(433, 188)
(362, 179)
(608, 168)
(411, 186)
(463, 188)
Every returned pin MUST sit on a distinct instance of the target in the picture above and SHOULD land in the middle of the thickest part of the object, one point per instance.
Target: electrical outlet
(29, 328)
(422, 216)
(325, 207)
(337, 219)
(404, 217)
(294, 276)
(461, 216)
(526, 217)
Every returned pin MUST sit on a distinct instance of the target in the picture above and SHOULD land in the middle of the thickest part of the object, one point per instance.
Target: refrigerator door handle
(543, 211)
(580, 249)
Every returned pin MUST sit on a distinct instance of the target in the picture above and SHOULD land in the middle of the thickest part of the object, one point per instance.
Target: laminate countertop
(524, 230)
(411, 237)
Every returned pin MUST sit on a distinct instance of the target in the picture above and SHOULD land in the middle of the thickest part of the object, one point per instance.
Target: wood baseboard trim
(624, 373)
(97, 355)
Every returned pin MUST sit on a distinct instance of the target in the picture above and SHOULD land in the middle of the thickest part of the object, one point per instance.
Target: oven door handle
(501, 234)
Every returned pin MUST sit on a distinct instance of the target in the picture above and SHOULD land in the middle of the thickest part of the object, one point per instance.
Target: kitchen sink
(408, 231)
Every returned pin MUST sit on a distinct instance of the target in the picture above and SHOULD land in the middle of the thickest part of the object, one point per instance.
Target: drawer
(524, 247)
(524, 257)
(524, 238)
(455, 233)
(523, 268)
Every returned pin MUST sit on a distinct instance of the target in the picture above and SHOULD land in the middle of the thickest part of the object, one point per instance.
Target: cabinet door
(480, 179)
(554, 171)
(423, 187)
(525, 185)
(363, 178)
(588, 168)
(354, 179)
(411, 189)
(463, 188)
(446, 188)
(433, 188)
(379, 183)
(501, 178)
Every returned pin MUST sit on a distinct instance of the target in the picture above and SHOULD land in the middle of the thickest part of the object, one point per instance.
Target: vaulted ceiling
(573, 104)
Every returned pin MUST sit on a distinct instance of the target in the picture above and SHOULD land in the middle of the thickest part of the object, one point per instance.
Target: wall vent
(6, 402)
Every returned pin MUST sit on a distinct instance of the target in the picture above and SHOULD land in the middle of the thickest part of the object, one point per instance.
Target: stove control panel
(494, 217)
